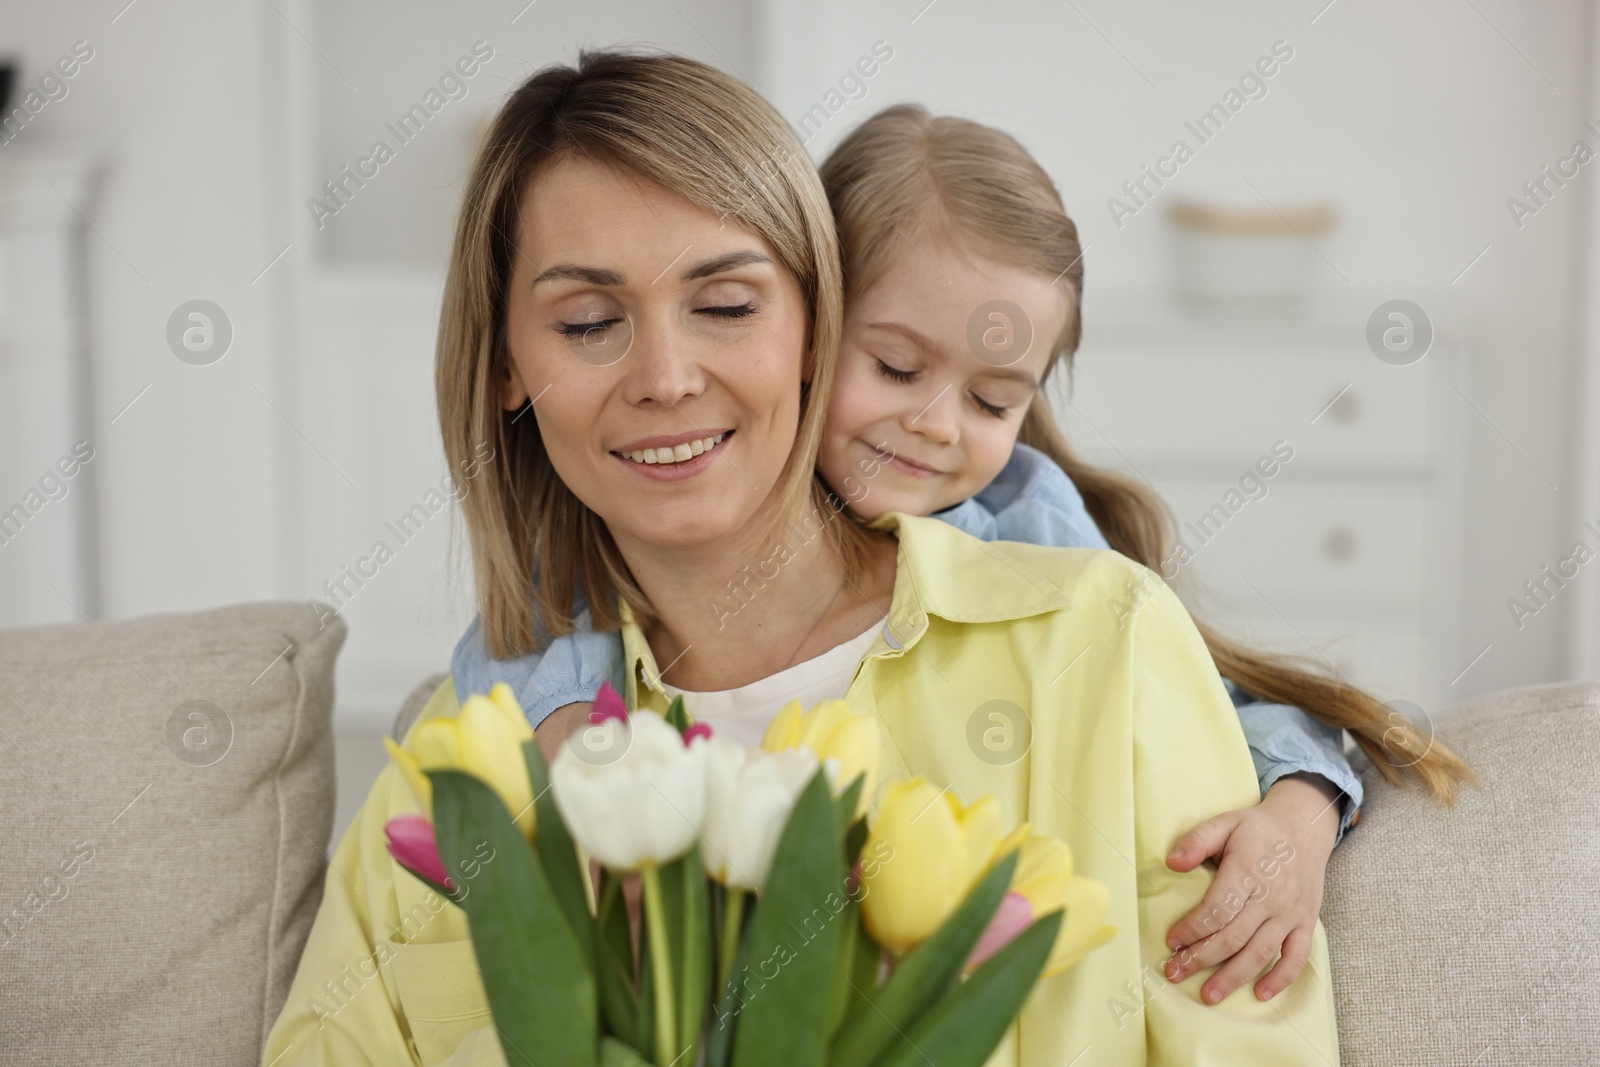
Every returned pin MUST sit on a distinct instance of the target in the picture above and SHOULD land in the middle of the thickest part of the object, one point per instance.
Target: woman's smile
(673, 458)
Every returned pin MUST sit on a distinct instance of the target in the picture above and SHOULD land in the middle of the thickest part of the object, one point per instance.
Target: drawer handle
(1340, 544)
(1346, 409)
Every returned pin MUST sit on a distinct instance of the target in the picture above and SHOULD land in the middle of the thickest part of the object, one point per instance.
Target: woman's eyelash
(730, 311)
(579, 330)
(894, 373)
(583, 329)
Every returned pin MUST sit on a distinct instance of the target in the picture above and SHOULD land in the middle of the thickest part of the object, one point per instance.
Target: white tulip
(749, 795)
(643, 808)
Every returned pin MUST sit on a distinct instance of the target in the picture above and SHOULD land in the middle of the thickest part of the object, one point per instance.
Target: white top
(742, 714)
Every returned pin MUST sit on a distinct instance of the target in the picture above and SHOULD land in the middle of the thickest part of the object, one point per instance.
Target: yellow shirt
(1068, 683)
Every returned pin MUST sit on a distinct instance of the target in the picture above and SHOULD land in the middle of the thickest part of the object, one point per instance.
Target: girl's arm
(569, 670)
(1286, 741)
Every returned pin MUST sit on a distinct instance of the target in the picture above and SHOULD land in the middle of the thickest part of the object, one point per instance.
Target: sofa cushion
(1465, 935)
(168, 794)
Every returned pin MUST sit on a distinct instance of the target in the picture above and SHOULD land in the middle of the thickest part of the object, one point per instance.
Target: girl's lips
(676, 472)
(903, 465)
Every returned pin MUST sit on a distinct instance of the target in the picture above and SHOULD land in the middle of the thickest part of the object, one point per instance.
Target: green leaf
(844, 965)
(964, 1028)
(614, 1053)
(865, 962)
(540, 991)
(725, 1019)
(558, 854)
(924, 976)
(694, 959)
(792, 942)
(855, 840)
(453, 896)
(844, 810)
(613, 922)
(676, 714)
(645, 1036)
(619, 1001)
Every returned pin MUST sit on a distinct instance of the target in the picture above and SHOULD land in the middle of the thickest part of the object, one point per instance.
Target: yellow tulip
(484, 740)
(1042, 883)
(846, 743)
(922, 857)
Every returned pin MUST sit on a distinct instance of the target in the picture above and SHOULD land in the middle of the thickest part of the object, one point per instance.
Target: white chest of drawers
(1349, 552)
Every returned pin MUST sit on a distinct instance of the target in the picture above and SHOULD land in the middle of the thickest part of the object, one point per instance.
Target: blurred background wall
(183, 159)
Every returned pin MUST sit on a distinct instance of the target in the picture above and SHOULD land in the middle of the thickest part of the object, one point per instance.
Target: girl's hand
(1268, 890)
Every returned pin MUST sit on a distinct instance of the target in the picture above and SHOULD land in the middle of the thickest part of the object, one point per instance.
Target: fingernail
(1211, 996)
(1172, 943)
(1267, 994)
(1177, 854)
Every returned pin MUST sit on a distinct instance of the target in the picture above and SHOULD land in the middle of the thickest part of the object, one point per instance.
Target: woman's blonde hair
(694, 131)
(904, 176)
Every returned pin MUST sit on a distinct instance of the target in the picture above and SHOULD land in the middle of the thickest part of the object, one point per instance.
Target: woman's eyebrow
(728, 261)
(573, 272)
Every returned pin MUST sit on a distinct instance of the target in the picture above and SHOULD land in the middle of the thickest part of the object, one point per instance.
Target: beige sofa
(169, 796)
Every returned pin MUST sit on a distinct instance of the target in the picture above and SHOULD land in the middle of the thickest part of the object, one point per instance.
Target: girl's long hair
(690, 129)
(904, 176)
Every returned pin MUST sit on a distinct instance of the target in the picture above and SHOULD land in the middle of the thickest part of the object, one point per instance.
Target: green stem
(661, 965)
(732, 919)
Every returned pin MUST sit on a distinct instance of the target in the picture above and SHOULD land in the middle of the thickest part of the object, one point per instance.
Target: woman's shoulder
(976, 579)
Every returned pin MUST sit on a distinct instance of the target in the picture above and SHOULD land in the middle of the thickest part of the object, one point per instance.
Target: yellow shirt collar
(935, 575)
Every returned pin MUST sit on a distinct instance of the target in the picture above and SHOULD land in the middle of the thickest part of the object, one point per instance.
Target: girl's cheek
(991, 451)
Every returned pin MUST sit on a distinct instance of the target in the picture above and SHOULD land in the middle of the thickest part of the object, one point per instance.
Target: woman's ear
(808, 358)
(513, 394)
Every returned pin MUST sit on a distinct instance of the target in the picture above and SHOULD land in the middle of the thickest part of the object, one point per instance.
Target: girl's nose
(939, 420)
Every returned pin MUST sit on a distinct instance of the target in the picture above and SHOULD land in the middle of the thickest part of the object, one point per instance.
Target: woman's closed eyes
(584, 330)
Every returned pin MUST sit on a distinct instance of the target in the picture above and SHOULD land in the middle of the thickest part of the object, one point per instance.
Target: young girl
(962, 277)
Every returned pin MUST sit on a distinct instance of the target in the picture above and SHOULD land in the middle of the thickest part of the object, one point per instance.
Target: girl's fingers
(1230, 892)
(1248, 962)
(1218, 947)
(1203, 842)
(1296, 950)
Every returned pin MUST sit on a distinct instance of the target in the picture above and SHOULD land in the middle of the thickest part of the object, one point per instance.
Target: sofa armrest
(1456, 931)
(416, 700)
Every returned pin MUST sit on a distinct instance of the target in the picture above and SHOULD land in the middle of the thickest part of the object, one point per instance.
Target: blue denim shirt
(1032, 501)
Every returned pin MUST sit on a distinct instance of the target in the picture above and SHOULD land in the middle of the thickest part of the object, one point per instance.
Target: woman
(646, 259)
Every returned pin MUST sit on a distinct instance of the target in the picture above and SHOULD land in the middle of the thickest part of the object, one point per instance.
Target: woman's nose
(939, 420)
(661, 366)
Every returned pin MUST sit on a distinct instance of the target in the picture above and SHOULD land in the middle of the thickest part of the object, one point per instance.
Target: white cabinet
(48, 554)
(1348, 552)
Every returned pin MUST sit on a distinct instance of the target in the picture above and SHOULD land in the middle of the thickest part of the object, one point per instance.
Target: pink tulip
(413, 846)
(699, 729)
(607, 705)
(1010, 919)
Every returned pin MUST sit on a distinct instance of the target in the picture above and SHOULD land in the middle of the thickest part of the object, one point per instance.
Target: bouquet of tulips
(779, 925)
